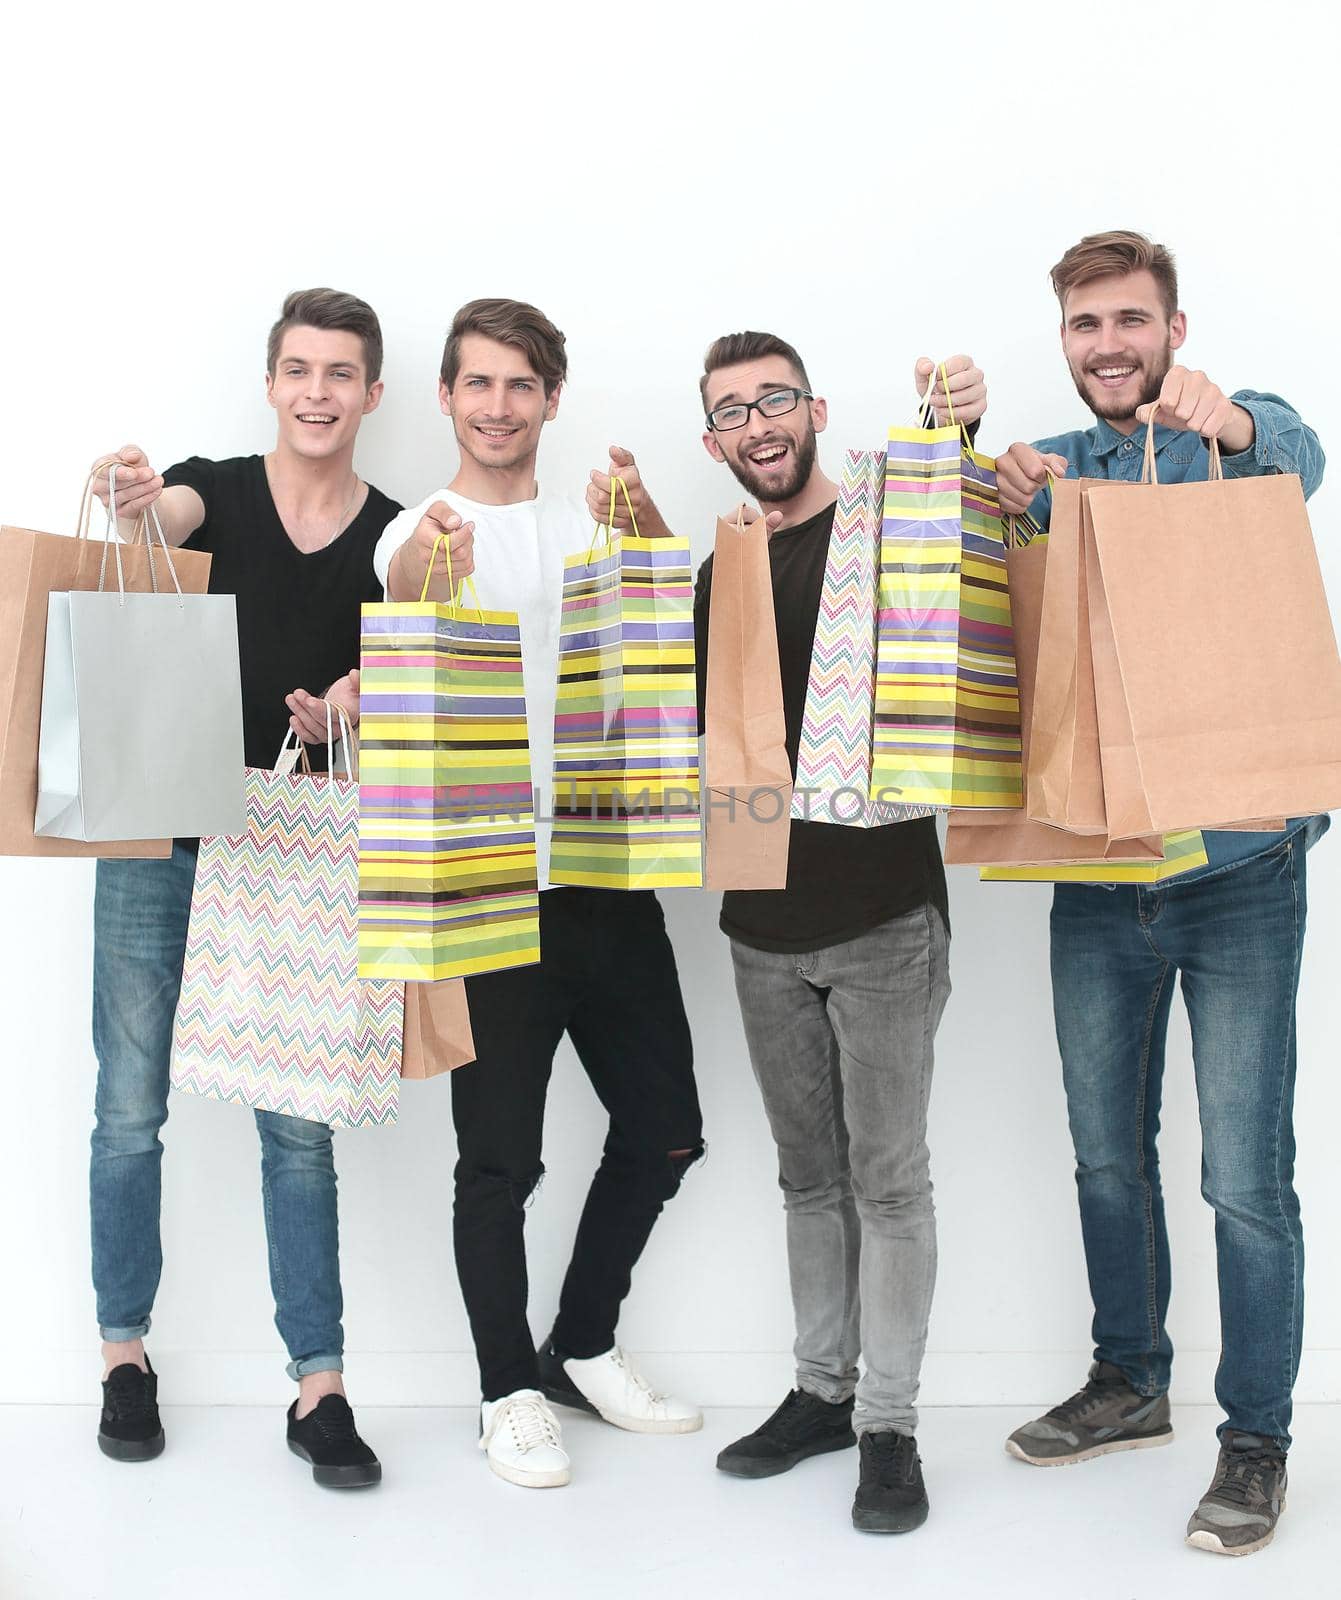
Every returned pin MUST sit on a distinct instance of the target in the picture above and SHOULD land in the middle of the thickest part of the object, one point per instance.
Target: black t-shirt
(841, 881)
(297, 615)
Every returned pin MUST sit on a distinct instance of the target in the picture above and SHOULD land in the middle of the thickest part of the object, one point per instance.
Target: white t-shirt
(519, 554)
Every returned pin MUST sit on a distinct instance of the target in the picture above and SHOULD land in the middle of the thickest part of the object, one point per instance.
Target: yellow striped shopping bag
(947, 708)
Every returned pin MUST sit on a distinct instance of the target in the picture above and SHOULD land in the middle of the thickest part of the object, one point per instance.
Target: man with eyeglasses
(842, 977)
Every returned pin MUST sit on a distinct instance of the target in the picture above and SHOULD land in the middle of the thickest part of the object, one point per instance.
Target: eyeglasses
(776, 404)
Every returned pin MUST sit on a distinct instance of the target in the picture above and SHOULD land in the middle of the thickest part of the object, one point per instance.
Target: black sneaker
(1106, 1415)
(1239, 1512)
(130, 1429)
(891, 1497)
(803, 1425)
(327, 1438)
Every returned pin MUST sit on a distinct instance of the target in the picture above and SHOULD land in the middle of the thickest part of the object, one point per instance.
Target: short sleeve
(195, 473)
(396, 532)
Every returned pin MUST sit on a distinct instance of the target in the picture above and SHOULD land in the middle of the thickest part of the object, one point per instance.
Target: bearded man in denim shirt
(1233, 930)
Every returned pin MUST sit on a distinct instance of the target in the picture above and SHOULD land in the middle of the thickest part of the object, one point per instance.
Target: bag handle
(607, 527)
(346, 740)
(456, 588)
(926, 411)
(1150, 473)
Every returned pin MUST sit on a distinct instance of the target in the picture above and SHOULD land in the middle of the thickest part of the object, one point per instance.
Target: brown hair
(733, 348)
(329, 308)
(1114, 254)
(510, 322)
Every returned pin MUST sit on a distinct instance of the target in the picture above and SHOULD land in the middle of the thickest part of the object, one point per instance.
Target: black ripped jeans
(608, 979)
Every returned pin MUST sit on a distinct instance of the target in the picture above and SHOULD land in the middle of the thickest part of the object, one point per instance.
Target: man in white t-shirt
(607, 973)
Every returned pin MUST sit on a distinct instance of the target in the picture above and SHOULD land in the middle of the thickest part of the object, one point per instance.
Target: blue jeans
(1235, 939)
(140, 916)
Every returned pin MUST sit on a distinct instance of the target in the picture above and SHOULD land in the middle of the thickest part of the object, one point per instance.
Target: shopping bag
(141, 725)
(272, 1012)
(447, 857)
(626, 793)
(1183, 852)
(33, 566)
(438, 1036)
(833, 761)
(947, 710)
(1007, 838)
(1064, 778)
(748, 775)
(1215, 657)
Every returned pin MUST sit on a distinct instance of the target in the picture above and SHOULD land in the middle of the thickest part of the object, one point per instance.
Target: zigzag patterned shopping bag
(947, 709)
(626, 781)
(447, 858)
(833, 762)
(272, 1013)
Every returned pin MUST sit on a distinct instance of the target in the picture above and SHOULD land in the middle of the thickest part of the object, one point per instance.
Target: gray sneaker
(1106, 1415)
(1239, 1512)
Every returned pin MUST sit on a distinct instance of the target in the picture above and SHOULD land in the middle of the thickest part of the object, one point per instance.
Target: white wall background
(872, 182)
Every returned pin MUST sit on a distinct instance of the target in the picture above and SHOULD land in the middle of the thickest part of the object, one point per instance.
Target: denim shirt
(1282, 443)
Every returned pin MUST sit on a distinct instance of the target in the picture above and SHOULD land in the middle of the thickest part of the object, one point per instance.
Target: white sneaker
(614, 1388)
(522, 1439)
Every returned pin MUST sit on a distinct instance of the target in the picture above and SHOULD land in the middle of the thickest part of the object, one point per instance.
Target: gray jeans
(841, 1043)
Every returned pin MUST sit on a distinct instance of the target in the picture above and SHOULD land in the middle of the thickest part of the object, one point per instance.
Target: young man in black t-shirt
(292, 535)
(842, 977)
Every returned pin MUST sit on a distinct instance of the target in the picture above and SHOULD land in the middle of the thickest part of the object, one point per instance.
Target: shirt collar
(1107, 438)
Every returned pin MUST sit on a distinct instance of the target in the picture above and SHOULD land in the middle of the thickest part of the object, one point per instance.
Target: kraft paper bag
(1182, 853)
(986, 838)
(33, 566)
(437, 1029)
(1064, 783)
(1217, 665)
(748, 787)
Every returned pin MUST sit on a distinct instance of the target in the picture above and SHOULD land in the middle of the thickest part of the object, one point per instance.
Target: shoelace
(1081, 1402)
(893, 1455)
(532, 1425)
(335, 1423)
(1240, 1475)
(634, 1377)
(128, 1398)
(791, 1419)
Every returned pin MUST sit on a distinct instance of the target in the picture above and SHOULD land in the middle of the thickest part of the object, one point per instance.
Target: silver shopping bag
(141, 727)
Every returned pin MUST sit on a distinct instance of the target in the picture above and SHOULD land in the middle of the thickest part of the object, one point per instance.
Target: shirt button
(1127, 446)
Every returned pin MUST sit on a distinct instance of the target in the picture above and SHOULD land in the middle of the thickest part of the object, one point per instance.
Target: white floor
(227, 1512)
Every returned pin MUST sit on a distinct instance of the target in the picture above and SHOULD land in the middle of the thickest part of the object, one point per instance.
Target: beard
(498, 461)
(1109, 406)
(771, 489)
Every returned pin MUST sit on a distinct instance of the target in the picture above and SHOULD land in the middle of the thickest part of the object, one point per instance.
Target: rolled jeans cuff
(311, 1364)
(124, 1335)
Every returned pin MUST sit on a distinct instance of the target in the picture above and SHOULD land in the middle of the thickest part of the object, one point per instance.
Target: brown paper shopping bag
(437, 1028)
(1064, 785)
(32, 566)
(1216, 660)
(748, 778)
(997, 838)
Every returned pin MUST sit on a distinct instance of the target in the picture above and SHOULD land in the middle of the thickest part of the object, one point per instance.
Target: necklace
(339, 521)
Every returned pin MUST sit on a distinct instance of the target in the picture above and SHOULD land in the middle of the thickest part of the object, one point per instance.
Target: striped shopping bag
(833, 761)
(947, 709)
(626, 781)
(272, 1013)
(447, 858)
